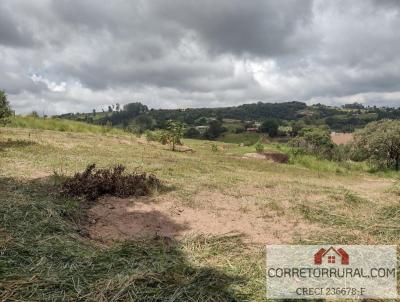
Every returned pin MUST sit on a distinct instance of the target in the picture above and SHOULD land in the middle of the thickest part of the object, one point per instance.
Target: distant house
(253, 129)
(202, 129)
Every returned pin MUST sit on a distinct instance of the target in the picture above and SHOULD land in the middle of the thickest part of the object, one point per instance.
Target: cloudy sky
(60, 56)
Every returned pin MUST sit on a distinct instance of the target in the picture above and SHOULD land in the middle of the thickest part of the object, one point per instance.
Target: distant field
(201, 238)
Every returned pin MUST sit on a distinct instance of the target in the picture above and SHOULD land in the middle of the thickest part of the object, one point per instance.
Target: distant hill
(340, 119)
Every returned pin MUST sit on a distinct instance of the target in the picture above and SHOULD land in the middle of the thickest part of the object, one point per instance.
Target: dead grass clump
(93, 183)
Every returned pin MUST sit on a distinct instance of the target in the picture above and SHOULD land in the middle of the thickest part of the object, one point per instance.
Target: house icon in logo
(330, 256)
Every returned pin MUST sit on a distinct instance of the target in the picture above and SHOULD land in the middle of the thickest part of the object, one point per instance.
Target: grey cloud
(12, 33)
(262, 28)
(182, 53)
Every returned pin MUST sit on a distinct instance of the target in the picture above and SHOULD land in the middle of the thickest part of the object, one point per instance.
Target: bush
(152, 135)
(5, 110)
(315, 141)
(380, 143)
(259, 147)
(192, 133)
(94, 183)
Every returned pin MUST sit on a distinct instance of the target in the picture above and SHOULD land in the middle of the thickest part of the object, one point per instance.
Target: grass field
(57, 124)
(202, 237)
(240, 138)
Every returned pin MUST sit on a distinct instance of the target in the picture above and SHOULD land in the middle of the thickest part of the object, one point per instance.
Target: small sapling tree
(174, 133)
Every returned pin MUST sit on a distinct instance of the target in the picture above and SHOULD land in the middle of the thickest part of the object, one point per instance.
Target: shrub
(315, 141)
(94, 183)
(192, 133)
(5, 110)
(152, 136)
(214, 148)
(380, 143)
(259, 147)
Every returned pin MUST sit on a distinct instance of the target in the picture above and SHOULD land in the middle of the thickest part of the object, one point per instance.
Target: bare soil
(121, 219)
(341, 138)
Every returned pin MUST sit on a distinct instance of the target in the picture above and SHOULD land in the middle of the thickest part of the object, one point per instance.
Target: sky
(59, 56)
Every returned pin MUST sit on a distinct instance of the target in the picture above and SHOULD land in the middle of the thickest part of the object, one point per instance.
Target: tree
(110, 109)
(380, 143)
(297, 126)
(144, 122)
(270, 126)
(5, 110)
(174, 133)
(94, 112)
(214, 130)
(135, 109)
(34, 114)
(192, 133)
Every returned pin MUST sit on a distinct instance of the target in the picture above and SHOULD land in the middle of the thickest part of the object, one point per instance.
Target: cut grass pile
(94, 183)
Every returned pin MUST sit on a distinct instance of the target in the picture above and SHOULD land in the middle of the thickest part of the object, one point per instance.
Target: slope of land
(202, 237)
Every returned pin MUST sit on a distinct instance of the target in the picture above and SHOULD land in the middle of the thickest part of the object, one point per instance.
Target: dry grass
(44, 257)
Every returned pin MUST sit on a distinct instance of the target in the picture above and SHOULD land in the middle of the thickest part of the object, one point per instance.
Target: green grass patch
(240, 138)
(57, 124)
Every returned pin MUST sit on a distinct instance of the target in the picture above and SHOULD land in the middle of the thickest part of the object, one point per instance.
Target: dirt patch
(272, 156)
(341, 138)
(121, 219)
(254, 155)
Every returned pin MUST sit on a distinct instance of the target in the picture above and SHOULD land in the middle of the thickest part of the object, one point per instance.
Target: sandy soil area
(118, 219)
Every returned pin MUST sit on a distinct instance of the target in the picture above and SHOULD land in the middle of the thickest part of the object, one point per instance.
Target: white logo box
(331, 272)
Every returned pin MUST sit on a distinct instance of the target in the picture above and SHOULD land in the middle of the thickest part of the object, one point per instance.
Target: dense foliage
(5, 110)
(270, 126)
(346, 119)
(380, 142)
(315, 141)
